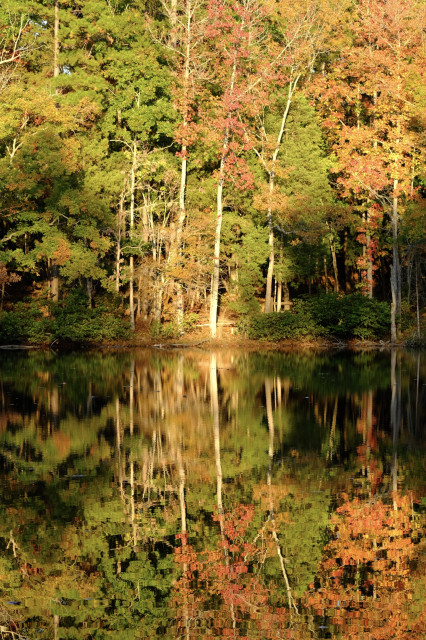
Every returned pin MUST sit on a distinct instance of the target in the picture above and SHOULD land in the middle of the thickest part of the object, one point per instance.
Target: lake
(193, 494)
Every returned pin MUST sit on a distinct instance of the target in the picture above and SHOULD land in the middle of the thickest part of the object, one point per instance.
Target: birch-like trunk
(54, 268)
(270, 273)
(131, 229)
(56, 40)
(184, 164)
(395, 270)
(214, 301)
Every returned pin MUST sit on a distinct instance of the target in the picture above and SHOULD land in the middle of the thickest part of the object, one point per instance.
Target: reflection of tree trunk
(395, 421)
(214, 398)
(184, 533)
(270, 418)
(332, 431)
(417, 391)
(118, 446)
(417, 299)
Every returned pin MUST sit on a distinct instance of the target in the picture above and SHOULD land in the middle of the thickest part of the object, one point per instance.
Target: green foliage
(170, 330)
(327, 315)
(69, 321)
(352, 316)
(279, 326)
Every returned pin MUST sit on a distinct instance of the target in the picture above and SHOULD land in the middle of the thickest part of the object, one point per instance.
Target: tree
(373, 94)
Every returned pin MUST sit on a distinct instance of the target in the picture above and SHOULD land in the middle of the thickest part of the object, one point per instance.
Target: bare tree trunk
(325, 274)
(417, 299)
(54, 281)
(268, 296)
(395, 271)
(131, 229)
(214, 301)
(336, 273)
(287, 304)
(118, 247)
(279, 296)
(345, 251)
(56, 40)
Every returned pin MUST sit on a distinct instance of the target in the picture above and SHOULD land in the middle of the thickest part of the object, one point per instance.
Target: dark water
(198, 495)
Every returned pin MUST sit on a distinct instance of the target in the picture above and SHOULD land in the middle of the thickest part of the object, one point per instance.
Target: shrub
(25, 324)
(327, 315)
(279, 326)
(351, 316)
(69, 321)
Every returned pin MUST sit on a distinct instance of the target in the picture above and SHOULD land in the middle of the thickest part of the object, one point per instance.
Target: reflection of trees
(364, 583)
(242, 465)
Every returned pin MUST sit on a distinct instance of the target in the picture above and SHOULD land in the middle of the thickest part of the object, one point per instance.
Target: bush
(170, 330)
(279, 326)
(69, 321)
(327, 315)
(25, 324)
(351, 316)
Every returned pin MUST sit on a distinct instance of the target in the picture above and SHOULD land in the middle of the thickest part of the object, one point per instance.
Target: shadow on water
(214, 495)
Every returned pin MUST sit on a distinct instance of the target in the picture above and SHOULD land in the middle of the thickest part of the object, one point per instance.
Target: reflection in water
(223, 495)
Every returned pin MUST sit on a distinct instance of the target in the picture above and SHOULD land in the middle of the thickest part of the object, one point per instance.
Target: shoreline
(238, 344)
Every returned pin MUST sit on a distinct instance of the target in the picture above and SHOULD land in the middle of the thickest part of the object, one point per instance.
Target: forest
(173, 164)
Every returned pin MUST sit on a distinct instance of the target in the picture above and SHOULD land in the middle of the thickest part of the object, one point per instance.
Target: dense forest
(166, 164)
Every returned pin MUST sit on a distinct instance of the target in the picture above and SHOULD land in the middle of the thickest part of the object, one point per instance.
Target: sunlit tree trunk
(56, 40)
(120, 221)
(395, 270)
(268, 296)
(214, 301)
(131, 230)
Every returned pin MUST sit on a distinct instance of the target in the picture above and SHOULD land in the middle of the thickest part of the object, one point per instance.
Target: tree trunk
(325, 274)
(118, 247)
(268, 296)
(131, 229)
(54, 281)
(279, 297)
(336, 273)
(214, 301)
(287, 304)
(56, 40)
(417, 299)
(395, 271)
(345, 252)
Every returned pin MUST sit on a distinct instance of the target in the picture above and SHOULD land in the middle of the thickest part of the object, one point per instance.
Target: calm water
(212, 495)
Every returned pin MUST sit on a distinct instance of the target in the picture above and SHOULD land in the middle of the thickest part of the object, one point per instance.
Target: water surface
(212, 495)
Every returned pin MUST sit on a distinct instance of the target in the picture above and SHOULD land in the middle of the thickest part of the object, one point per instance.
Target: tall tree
(373, 92)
